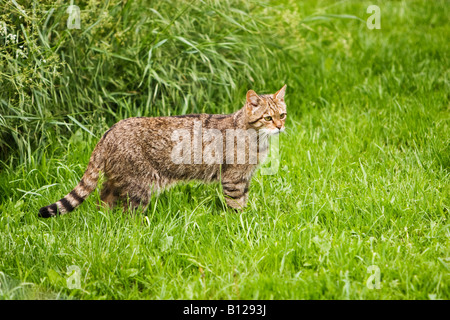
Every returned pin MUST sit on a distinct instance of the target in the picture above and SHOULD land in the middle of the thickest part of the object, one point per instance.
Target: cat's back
(132, 145)
(138, 128)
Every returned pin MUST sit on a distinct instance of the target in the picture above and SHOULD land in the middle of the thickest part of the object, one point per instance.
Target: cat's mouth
(274, 132)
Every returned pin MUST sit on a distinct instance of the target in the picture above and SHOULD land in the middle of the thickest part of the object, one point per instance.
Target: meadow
(363, 187)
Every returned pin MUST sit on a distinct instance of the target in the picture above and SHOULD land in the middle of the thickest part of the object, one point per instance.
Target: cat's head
(266, 112)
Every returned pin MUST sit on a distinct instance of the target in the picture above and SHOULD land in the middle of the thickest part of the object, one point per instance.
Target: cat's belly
(204, 172)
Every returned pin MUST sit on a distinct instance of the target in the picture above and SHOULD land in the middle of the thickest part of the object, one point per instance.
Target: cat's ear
(253, 98)
(279, 95)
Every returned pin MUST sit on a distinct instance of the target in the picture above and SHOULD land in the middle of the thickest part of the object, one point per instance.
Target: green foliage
(364, 174)
(135, 58)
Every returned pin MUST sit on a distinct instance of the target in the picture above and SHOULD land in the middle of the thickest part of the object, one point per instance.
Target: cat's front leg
(236, 193)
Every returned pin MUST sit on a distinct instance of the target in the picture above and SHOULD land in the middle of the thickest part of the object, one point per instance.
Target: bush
(129, 58)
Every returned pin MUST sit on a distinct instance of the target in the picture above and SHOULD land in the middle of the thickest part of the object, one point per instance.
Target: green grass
(364, 173)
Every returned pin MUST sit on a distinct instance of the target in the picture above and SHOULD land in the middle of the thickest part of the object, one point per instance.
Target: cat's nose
(279, 125)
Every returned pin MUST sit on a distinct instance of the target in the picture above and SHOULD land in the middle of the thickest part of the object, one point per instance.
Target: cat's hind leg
(110, 194)
(138, 188)
(134, 196)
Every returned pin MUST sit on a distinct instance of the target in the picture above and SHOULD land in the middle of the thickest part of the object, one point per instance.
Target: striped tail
(72, 200)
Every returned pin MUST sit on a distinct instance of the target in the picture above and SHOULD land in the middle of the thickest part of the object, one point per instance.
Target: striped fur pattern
(136, 159)
(87, 184)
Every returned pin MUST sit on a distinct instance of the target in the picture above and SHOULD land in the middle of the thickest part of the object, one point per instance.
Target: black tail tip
(44, 212)
(48, 211)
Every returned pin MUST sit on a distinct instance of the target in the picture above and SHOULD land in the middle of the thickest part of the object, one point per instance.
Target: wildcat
(141, 156)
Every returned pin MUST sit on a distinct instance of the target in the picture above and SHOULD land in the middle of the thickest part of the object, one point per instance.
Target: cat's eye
(268, 118)
(283, 115)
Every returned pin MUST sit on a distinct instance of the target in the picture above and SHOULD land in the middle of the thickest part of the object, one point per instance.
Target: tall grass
(130, 58)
